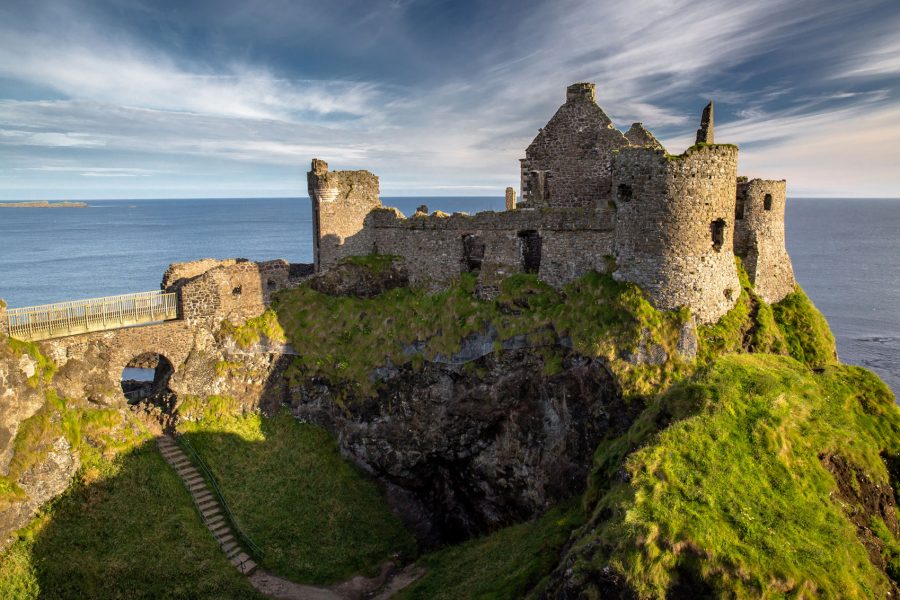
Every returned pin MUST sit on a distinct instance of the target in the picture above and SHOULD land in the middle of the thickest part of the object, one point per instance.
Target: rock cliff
(465, 449)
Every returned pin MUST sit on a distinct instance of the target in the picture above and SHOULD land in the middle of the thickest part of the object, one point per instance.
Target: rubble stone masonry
(437, 248)
(675, 227)
(568, 163)
(234, 289)
(673, 223)
(340, 202)
(759, 237)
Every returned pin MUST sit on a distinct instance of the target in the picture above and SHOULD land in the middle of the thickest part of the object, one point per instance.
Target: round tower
(759, 237)
(341, 201)
(675, 226)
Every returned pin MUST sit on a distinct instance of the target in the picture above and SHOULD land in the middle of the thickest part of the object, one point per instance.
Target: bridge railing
(84, 316)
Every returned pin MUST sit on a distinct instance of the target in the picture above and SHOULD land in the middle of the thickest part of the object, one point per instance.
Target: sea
(846, 253)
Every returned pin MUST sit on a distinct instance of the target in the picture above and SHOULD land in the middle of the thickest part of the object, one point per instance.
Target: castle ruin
(593, 198)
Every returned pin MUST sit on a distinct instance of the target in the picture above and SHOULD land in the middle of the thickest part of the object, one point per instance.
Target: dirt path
(386, 584)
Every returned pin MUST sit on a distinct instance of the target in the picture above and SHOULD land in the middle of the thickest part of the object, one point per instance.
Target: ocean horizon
(843, 250)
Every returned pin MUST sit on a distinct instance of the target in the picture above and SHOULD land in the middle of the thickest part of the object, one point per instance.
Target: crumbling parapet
(675, 227)
(759, 237)
(638, 135)
(510, 198)
(233, 289)
(341, 200)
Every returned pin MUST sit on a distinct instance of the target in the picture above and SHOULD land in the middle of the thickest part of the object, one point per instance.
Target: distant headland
(43, 204)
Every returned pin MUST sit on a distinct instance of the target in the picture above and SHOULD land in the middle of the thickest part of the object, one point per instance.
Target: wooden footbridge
(63, 319)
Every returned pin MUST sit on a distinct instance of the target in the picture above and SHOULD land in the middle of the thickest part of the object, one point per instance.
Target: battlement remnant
(235, 289)
(705, 135)
(638, 135)
(673, 224)
(510, 198)
(340, 202)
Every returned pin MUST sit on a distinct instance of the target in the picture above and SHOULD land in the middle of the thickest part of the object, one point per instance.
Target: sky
(233, 98)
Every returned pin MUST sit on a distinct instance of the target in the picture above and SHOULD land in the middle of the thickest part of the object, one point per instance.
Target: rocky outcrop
(41, 483)
(18, 399)
(361, 280)
(464, 449)
(864, 502)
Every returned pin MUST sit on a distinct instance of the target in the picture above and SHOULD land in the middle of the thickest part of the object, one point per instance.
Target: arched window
(767, 202)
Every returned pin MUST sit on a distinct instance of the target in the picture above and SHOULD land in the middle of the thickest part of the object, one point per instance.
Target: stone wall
(568, 163)
(4, 326)
(90, 365)
(179, 273)
(759, 237)
(675, 228)
(340, 202)
(437, 248)
(588, 191)
(638, 135)
(234, 289)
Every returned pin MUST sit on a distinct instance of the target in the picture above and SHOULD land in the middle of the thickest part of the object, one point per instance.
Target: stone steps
(207, 504)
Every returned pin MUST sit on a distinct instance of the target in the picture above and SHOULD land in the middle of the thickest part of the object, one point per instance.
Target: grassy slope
(725, 482)
(502, 566)
(736, 493)
(129, 531)
(789, 414)
(315, 517)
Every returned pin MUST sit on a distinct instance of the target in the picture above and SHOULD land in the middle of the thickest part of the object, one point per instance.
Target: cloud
(94, 171)
(186, 110)
(123, 73)
(50, 139)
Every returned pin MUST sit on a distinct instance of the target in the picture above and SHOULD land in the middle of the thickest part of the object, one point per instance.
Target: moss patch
(45, 368)
(376, 263)
(262, 328)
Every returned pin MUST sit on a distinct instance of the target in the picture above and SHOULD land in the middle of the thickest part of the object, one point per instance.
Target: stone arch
(147, 377)
(767, 202)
